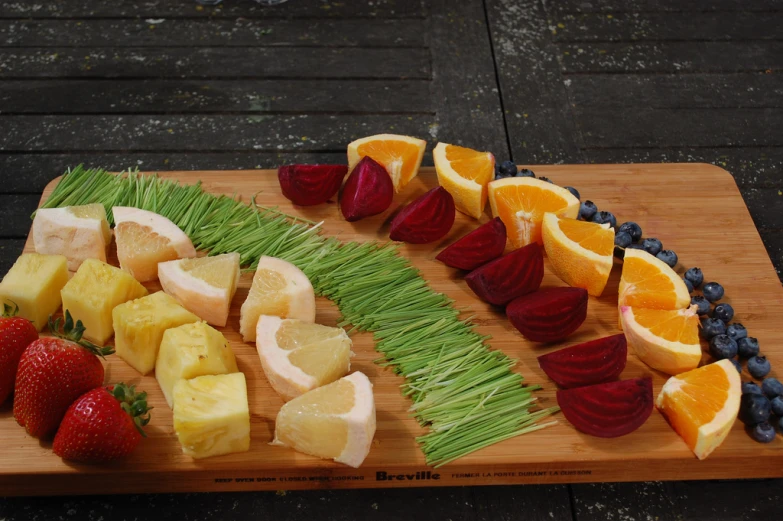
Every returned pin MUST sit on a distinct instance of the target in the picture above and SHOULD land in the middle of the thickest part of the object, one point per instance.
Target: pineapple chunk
(139, 325)
(211, 415)
(189, 351)
(94, 291)
(33, 283)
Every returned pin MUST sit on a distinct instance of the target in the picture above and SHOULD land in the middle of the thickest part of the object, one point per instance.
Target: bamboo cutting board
(695, 209)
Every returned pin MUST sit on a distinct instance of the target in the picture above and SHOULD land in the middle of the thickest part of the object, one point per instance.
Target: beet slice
(550, 314)
(368, 191)
(598, 361)
(608, 410)
(308, 185)
(426, 219)
(477, 248)
(515, 274)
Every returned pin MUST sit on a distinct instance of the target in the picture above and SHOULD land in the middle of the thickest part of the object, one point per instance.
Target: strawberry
(16, 333)
(52, 373)
(102, 424)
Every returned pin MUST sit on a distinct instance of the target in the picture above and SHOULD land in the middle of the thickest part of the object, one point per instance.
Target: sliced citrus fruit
(77, 232)
(465, 174)
(279, 289)
(648, 282)
(144, 239)
(666, 340)
(701, 405)
(336, 421)
(299, 356)
(400, 155)
(579, 252)
(521, 203)
(204, 286)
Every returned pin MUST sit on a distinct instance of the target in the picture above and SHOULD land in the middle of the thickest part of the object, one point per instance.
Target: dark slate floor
(164, 84)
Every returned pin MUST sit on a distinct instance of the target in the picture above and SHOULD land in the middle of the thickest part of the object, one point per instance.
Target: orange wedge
(400, 155)
(701, 405)
(464, 173)
(648, 282)
(666, 340)
(579, 252)
(521, 203)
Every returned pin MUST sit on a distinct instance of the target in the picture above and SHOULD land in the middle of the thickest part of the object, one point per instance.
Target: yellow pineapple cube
(211, 415)
(139, 326)
(33, 283)
(189, 351)
(94, 291)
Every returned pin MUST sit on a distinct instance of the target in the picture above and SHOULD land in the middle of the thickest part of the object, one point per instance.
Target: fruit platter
(382, 324)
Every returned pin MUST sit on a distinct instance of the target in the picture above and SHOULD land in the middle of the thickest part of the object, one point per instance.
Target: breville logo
(422, 475)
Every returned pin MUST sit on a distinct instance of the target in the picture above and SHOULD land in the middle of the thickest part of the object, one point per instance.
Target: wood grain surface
(719, 237)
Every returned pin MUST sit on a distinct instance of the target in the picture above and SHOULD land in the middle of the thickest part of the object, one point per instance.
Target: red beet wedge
(550, 314)
(426, 219)
(368, 191)
(308, 185)
(477, 248)
(608, 410)
(594, 362)
(515, 274)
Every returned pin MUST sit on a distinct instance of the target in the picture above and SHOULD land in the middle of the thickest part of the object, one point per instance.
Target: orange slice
(521, 203)
(464, 173)
(400, 155)
(666, 340)
(648, 282)
(579, 252)
(701, 405)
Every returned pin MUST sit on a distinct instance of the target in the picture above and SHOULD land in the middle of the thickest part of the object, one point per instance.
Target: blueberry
(759, 366)
(632, 229)
(573, 191)
(688, 285)
(713, 291)
(668, 256)
(772, 387)
(505, 169)
(525, 172)
(763, 432)
(748, 346)
(737, 365)
(777, 405)
(623, 240)
(695, 276)
(722, 346)
(724, 312)
(737, 331)
(587, 210)
(652, 246)
(605, 217)
(754, 409)
(546, 179)
(750, 388)
(712, 327)
(703, 303)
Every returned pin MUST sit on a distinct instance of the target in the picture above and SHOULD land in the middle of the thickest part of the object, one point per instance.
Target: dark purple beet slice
(594, 362)
(608, 410)
(368, 191)
(477, 248)
(308, 185)
(426, 219)
(550, 314)
(512, 275)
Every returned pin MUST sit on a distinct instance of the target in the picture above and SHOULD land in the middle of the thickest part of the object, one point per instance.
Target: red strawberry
(52, 373)
(102, 425)
(16, 333)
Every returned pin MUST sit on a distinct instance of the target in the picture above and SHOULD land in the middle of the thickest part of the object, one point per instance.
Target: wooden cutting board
(695, 209)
